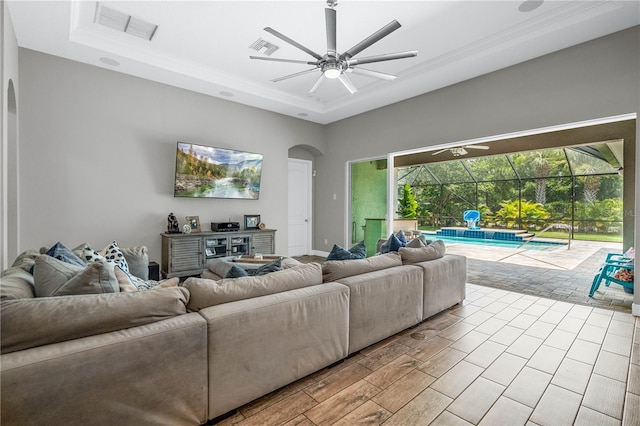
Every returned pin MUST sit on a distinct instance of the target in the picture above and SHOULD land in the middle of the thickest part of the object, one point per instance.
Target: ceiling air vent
(124, 22)
(264, 46)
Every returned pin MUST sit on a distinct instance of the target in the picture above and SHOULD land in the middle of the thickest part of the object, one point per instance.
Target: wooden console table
(185, 255)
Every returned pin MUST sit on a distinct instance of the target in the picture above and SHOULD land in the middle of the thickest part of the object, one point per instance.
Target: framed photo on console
(194, 223)
(251, 221)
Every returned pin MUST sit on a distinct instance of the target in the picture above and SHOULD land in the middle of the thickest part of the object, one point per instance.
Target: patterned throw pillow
(112, 254)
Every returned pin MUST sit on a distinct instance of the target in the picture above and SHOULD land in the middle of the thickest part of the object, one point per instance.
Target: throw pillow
(393, 243)
(401, 237)
(113, 254)
(61, 252)
(417, 242)
(433, 251)
(236, 272)
(359, 251)
(138, 261)
(274, 266)
(53, 277)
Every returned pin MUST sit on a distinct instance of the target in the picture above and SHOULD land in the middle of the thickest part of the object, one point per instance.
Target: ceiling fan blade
(441, 151)
(382, 58)
(293, 61)
(346, 81)
(317, 85)
(330, 17)
(275, 80)
(371, 73)
(293, 42)
(373, 38)
(476, 147)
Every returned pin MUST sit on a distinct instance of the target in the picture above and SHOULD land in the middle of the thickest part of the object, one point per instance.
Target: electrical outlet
(334, 196)
(326, 242)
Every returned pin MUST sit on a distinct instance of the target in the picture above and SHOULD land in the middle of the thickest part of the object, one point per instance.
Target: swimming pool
(532, 245)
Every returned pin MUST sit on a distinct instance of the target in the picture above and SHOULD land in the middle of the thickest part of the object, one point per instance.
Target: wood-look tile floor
(500, 358)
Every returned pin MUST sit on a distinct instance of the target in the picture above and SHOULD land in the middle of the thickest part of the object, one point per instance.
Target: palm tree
(540, 163)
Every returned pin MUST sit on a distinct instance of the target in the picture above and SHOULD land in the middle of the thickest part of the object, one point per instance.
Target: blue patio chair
(613, 264)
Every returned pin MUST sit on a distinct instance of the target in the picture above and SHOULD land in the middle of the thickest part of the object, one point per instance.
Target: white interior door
(299, 207)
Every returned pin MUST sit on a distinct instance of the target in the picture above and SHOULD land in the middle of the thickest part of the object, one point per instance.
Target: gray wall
(9, 219)
(597, 79)
(98, 155)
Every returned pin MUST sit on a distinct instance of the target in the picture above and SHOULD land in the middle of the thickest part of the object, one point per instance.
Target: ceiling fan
(460, 150)
(333, 65)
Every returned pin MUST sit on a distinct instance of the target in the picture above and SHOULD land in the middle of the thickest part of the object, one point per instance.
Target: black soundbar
(225, 226)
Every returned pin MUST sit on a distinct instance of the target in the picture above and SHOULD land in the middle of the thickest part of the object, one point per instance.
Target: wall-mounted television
(210, 172)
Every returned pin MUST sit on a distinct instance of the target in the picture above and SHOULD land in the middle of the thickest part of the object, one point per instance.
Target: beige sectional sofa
(185, 355)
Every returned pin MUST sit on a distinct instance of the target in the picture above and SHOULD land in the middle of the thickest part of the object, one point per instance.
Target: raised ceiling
(204, 46)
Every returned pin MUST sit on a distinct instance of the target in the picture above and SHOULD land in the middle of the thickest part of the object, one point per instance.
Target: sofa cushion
(205, 292)
(435, 250)
(28, 323)
(53, 277)
(358, 251)
(333, 270)
(16, 283)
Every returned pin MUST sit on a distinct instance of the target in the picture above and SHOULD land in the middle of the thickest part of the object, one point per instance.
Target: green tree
(408, 204)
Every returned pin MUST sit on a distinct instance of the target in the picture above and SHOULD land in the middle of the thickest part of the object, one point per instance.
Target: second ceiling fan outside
(334, 66)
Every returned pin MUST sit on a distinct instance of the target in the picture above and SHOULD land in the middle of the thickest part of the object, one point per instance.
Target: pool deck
(556, 273)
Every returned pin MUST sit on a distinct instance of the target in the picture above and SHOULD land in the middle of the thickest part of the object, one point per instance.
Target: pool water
(532, 245)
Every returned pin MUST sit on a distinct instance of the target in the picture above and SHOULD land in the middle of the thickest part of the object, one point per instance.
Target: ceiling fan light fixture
(332, 73)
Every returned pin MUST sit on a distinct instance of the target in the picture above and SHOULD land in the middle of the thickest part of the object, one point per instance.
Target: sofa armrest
(151, 374)
(261, 344)
(445, 283)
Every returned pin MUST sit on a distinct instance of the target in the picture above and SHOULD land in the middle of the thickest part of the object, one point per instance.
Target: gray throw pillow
(53, 277)
(418, 242)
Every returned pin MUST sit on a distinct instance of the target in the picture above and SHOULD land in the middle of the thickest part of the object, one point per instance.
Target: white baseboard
(320, 253)
(635, 309)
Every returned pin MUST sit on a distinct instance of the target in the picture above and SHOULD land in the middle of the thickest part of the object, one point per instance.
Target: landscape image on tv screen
(206, 171)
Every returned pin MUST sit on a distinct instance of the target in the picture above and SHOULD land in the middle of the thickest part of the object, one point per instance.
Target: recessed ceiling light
(530, 5)
(109, 61)
(303, 114)
(225, 93)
